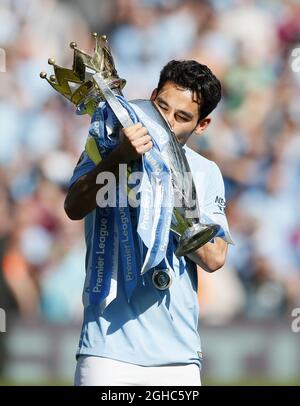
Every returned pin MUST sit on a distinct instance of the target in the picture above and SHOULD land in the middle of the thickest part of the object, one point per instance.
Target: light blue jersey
(155, 327)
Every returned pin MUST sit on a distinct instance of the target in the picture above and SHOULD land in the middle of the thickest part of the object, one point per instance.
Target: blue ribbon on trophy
(154, 216)
(101, 262)
(123, 245)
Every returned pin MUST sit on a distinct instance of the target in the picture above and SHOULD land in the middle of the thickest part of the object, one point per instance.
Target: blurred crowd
(254, 138)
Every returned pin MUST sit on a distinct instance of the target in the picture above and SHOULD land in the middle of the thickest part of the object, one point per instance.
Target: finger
(132, 128)
(137, 133)
(141, 141)
(144, 148)
(141, 132)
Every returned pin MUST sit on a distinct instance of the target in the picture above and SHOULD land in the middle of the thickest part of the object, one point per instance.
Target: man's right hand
(135, 143)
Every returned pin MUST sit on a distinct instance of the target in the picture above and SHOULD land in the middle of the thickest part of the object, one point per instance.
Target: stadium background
(246, 308)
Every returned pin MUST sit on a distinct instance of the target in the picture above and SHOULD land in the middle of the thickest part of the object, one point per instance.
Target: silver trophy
(94, 78)
(186, 225)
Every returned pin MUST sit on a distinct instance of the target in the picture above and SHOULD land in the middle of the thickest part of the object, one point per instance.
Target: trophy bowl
(191, 236)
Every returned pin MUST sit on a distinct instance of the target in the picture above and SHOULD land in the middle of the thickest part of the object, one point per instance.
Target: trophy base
(195, 237)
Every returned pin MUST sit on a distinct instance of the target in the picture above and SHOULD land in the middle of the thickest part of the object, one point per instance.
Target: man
(153, 339)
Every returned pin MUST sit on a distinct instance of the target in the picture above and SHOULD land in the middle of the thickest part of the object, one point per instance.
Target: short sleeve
(214, 202)
(88, 160)
(84, 166)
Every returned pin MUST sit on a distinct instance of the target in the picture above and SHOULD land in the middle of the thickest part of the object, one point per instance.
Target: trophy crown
(77, 84)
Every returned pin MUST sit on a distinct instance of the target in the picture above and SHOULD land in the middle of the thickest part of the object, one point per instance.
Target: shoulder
(199, 163)
(207, 178)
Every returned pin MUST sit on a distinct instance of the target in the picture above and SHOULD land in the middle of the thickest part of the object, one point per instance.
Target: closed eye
(163, 107)
(182, 118)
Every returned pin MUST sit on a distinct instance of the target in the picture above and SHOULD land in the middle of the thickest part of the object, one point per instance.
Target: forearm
(211, 256)
(81, 198)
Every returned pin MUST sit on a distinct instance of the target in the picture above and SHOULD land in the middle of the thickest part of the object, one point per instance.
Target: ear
(202, 125)
(153, 95)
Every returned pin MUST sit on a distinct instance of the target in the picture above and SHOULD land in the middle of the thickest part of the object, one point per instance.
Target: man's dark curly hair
(198, 78)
